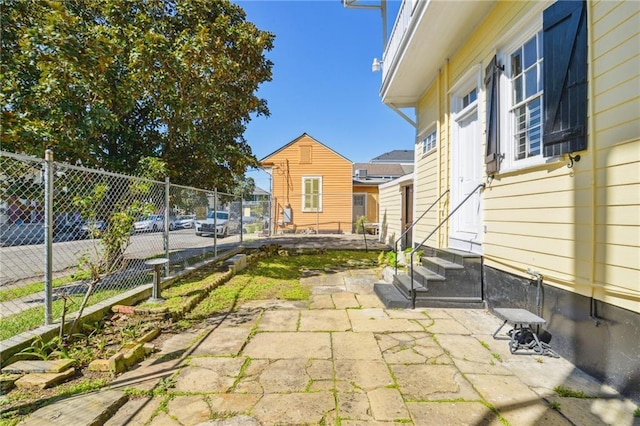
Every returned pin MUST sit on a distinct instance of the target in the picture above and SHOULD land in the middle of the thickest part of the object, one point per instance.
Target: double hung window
(537, 91)
(312, 194)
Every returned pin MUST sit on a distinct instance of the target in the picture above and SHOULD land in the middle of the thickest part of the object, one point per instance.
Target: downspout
(592, 143)
(448, 138)
(439, 145)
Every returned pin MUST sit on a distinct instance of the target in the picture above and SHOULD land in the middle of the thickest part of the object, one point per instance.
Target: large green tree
(108, 82)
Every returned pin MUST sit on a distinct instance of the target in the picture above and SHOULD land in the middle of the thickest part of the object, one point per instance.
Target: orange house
(311, 187)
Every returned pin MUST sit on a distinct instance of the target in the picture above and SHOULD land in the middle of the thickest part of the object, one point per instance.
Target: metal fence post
(167, 222)
(48, 237)
(215, 222)
(241, 215)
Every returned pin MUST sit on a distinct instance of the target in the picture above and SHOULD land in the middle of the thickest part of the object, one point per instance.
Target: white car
(151, 223)
(209, 226)
(185, 221)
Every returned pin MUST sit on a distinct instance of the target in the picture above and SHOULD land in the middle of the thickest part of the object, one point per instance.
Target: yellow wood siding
(390, 213)
(288, 170)
(579, 227)
(426, 170)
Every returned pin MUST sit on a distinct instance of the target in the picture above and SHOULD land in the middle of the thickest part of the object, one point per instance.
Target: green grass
(569, 393)
(17, 292)
(276, 277)
(34, 317)
(636, 412)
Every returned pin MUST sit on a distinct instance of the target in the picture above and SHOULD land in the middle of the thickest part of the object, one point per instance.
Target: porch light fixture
(376, 65)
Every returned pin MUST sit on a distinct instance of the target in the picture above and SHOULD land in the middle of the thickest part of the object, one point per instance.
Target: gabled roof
(382, 170)
(395, 156)
(296, 140)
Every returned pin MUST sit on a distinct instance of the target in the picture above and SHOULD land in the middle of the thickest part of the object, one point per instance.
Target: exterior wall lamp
(376, 65)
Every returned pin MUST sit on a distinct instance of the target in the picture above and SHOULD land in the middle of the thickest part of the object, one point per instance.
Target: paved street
(22, 262)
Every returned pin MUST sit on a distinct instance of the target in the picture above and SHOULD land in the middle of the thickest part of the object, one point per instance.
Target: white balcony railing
(405, 14)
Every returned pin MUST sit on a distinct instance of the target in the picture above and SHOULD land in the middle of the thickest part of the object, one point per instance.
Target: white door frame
(466, 225)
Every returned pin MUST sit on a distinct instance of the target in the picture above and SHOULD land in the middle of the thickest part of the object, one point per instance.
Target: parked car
(93, 228)
(185, 221)
(151, 223)
(209, 226)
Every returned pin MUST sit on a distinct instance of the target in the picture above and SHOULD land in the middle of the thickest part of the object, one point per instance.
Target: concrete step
(390, 296)
(403, 284)
(440, 266)
(455, 256)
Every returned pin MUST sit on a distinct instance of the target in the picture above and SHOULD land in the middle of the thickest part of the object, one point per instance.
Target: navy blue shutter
(491, 80)
(565, 78)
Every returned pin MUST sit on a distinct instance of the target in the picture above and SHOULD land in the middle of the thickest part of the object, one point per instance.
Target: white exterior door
(465, 232)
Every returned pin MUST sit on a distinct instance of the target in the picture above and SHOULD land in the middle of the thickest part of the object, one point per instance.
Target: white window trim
(431, 128)
(319, 209)
(519, 35)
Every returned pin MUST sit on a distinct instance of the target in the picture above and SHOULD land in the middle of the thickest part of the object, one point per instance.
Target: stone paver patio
(344, 359)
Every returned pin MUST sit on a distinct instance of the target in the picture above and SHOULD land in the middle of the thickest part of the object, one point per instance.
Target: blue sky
(322, 80)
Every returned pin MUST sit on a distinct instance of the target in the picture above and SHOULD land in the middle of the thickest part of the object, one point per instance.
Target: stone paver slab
(367, 314)
(227, 403)
(354, 406)
(163, 419)
(452, 413)
(209, 375)
(432, 382)
(136, 412)
(38, 366)
(279, 321)
(387, 404)
(350, 345)
(418, 313)
(286, 345)
(445, 326)
(515, 401)
(284, 376)
(477, 321)
(97, 407)
(369, 301)
(324, 320)
(388, 325)
(345, 300)
(147, 375)
(360, 284)
(320, 369)
(362, 374)
(470, 356)
(189, 410)
(333, 279)
(43, 380)
(241, 420)
(294, 408)
(321, 301)
(438, 313)
(223, 341)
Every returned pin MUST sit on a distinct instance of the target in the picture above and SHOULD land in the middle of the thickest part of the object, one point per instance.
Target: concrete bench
(522, 336)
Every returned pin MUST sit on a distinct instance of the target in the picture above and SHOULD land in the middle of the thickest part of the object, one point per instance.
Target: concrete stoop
(445, 278)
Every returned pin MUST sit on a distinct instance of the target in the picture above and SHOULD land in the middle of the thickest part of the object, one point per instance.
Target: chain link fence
(66, 230)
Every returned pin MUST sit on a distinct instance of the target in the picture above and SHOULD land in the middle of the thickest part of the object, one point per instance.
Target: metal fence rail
(53, 217)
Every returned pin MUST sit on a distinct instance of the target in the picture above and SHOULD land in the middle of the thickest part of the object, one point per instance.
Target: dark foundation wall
(605, 344)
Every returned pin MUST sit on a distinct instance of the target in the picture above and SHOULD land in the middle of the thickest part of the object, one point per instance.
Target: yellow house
(311, 188)
(528, 122)
(367, 177)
